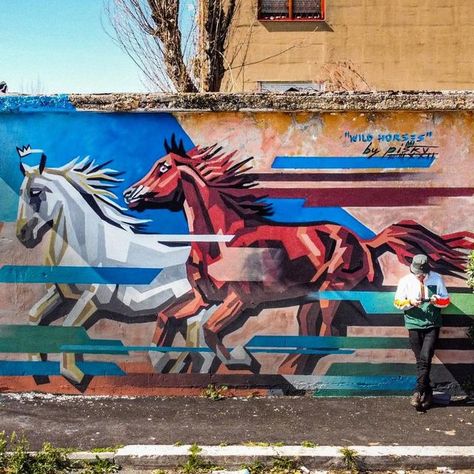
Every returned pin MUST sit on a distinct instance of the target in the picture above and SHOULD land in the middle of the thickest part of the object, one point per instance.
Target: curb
(320, 457)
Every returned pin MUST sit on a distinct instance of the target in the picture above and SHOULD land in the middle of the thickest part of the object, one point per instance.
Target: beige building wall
(392, 44)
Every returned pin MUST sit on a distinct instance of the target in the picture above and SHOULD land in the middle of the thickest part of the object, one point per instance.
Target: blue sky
(62, 45)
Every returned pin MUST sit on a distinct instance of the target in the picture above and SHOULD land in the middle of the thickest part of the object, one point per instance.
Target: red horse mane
(221, 172)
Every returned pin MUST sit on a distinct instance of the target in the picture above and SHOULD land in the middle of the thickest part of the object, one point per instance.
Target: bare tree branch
(151, 33)
(166, 28)
(132, 33)
(343, 76)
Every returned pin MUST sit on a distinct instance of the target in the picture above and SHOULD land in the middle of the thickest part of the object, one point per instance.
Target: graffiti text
(406, 150)
(388, 137)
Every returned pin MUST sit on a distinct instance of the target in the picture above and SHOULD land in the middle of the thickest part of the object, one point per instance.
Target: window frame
(290, 14)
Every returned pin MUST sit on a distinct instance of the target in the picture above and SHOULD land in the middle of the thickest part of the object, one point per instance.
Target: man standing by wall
(421, 295)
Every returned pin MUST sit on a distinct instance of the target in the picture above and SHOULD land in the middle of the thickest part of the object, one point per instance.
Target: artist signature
(406, 150)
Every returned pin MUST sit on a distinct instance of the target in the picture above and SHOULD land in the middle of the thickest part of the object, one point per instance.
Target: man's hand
(434, 299)
(415, 302)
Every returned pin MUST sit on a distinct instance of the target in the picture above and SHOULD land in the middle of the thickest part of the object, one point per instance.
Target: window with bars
(291, 10)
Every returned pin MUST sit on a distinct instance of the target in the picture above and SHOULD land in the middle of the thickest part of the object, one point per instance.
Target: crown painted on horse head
(26, 151)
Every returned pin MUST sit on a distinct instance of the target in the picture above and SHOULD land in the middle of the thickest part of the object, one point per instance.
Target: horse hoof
(41, 379)
(68, 368)
(201, 363)
(242, 359)
(240, 355)
(294, 364)
(181, 364)
(73, 374)
(159, 360)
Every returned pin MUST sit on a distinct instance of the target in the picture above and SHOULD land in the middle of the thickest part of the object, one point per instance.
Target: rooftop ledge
(233, 102)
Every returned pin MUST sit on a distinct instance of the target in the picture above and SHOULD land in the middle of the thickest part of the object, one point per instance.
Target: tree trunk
(165, 16)
(216, 25)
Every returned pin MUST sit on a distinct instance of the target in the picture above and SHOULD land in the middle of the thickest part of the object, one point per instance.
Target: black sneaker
(415, 400)
(427, 400)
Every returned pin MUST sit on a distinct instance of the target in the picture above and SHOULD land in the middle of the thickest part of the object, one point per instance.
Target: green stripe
(45, 339)
(361, 368)
(461, 303)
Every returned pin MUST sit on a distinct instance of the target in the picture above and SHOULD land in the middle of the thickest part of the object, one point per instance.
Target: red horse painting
(267, 263)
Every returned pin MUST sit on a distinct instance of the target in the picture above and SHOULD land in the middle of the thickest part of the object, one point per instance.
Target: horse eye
(35, 192)
(163, 169)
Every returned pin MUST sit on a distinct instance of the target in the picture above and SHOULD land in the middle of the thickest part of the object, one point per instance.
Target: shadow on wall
(294, 26)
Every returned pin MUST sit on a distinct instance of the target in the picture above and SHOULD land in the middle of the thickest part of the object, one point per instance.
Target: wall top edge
(243, 102)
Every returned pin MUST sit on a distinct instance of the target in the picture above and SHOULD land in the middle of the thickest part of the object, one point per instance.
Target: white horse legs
(48, 303)
(78, 316)
(80, 313)
(201, 362)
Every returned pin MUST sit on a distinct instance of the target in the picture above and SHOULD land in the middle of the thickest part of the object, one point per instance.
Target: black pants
(422, 342)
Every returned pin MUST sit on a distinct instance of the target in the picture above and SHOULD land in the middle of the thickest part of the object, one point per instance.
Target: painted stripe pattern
(350, 162)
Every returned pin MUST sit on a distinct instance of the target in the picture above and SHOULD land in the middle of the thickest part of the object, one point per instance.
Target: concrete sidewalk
(90, 422)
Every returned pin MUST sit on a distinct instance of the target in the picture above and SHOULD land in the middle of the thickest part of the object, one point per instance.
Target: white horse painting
(89, 229)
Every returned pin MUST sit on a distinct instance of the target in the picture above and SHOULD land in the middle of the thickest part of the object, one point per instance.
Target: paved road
(87, 422)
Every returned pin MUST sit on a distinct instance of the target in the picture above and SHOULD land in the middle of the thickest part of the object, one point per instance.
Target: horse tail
(447, 253)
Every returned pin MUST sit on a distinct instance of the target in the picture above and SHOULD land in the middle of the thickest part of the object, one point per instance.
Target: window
(291, 10)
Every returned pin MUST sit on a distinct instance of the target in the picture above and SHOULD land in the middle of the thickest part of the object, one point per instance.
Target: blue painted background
(132, 141)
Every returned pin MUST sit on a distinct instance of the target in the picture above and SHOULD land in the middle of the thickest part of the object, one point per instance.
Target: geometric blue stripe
(77, 275)
(21, 368)
(351, 162)
(325, 342)
(371, 301)
(105, 349)
(300, 351)
(381, 302)
(294, 211)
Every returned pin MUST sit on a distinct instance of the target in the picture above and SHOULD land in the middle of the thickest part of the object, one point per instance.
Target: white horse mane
(96, 181)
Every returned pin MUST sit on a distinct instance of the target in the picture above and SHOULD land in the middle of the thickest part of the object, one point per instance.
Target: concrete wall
(394, 45)
(261, 252)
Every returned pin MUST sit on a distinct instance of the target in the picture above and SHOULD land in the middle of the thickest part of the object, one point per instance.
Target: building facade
(357, 44)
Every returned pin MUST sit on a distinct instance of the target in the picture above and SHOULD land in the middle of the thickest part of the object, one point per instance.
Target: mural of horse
(267, 263)
(89, 229)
